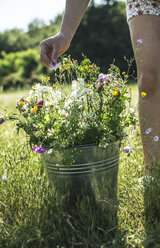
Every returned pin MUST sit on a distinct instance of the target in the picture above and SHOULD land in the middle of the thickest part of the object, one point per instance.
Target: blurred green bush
(19, 69)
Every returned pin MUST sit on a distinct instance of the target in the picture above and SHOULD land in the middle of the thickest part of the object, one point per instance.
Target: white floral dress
(142, 7)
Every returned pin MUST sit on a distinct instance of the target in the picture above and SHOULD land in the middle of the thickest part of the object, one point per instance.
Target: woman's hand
(52, 48)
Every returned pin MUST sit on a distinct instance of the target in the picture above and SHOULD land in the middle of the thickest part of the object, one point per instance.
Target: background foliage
(103, 36)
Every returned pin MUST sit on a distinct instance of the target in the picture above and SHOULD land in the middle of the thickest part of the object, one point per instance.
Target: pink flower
(40, 103)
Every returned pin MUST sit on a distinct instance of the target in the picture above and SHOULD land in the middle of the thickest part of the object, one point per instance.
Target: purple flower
(140, 41)
(100, 86)
(53, 67)
(133, 130)
(104, 77)
(64, 59)
(96, 103)
(4, 178)
(117, 85)
(101, 79)
(127, 149)
(40, 103)
(2, 120)
(39, 149)
(108, 77)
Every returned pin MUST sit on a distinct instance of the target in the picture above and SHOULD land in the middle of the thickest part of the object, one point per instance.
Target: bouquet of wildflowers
(94, 110)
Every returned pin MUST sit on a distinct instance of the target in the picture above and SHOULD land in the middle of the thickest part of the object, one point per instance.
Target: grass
(31, 218)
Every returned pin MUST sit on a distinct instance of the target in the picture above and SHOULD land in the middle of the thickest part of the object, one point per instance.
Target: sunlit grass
(29, 215)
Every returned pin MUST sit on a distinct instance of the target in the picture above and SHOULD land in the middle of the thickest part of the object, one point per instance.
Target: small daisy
(140, 41)
(149, 130)
(4, 177)
(156, 138)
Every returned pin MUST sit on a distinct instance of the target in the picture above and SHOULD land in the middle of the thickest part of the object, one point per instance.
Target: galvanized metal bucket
(85, 180)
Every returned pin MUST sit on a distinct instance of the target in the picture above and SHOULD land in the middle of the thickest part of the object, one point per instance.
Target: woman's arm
(53, 47)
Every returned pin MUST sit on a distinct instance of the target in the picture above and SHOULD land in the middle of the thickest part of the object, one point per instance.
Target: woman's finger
(44, 55)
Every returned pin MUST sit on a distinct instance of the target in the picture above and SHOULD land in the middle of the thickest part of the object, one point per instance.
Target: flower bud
(2, 120)
(100, 86)
(40, 103)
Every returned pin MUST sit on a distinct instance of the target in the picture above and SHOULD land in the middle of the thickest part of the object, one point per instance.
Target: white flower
(67, 103)
(36, 86)
(85, 91)
(149, 130)
(47, 103)
(47, 110)
(75, 94)
(50, 151)
(58, 93)
(31, 92)
(131, 110)
(81, 82)
(54, 67)
(156, 138)
(63, 112)
(74, 85)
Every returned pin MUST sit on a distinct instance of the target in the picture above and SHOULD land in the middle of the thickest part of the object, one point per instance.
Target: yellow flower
(87, 85)
(123, 72)
(143, 93)
(116, 93)
(35, 109)
(22, 102)
(44, 79)
(48, 78)
(51, 105)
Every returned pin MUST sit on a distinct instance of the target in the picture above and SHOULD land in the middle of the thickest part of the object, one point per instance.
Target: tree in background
(103, 35)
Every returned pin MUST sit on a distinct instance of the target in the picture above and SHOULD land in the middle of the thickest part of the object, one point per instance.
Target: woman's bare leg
(147, 28)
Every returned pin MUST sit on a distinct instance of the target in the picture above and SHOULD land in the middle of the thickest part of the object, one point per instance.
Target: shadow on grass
(88, 222)
(83, 227)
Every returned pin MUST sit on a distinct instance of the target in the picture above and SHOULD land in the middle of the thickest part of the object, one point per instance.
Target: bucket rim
(85, 146)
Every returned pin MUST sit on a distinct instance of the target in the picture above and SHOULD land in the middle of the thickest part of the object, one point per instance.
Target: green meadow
(29, 214)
